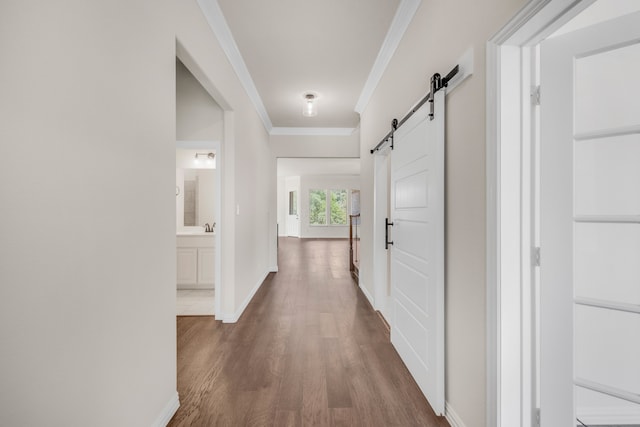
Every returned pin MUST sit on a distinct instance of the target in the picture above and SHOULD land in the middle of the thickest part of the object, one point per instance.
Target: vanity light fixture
(310, 108)
(208, 157)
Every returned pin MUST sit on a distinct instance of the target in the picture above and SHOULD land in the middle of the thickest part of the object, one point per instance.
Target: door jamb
(509, 223)
(380, 284)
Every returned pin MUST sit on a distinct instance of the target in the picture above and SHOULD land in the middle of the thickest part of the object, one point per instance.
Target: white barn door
(590, 226)
(417, 253)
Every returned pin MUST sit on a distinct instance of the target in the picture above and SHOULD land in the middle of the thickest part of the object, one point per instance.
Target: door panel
(607, 175)
(590, 225)
(417, 253)
(603, 80)
(606, 262)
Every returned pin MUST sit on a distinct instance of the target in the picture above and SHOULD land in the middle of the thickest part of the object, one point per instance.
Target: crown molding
(302, 131)
(217, 22)
(405, 13)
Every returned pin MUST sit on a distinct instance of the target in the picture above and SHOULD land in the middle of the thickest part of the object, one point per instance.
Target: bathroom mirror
(195, 200)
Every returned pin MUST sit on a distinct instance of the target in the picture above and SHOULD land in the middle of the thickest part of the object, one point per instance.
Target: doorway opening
(314, 196)
(200, 130)
(524, 385)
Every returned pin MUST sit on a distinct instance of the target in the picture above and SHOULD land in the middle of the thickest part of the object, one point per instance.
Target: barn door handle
(386, 233)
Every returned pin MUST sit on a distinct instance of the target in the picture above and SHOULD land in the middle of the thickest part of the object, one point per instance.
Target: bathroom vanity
(195, 254)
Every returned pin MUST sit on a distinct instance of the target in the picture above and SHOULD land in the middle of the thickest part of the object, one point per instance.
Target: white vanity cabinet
(187, 270)
(195, 256)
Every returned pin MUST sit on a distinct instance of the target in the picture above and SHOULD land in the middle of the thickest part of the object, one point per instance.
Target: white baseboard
(273, 269)
(609, 416)
(168, 412)
(451, 416)
(366, 293)
(233, 318)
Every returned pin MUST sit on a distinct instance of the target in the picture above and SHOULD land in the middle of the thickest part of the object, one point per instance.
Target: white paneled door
(590, 226)
(417, 253)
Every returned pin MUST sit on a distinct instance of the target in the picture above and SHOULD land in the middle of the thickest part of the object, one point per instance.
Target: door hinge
(535, 95)
(536, 256)
(536, 417)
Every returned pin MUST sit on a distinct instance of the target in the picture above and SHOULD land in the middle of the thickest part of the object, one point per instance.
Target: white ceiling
(336, 48)
(315, 166)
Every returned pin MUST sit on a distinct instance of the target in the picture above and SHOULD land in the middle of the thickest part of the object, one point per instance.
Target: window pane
(339, 207)
(317, 207)
(293, 203)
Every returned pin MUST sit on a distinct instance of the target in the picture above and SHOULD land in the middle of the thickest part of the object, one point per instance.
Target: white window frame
(328, 204)
(511, 326)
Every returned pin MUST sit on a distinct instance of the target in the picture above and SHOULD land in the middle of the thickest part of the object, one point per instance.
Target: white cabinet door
(187, 266)
(417, 253)
(590, 225)
(206, 263)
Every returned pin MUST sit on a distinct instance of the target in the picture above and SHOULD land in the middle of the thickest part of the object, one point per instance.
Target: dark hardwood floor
(309, 350)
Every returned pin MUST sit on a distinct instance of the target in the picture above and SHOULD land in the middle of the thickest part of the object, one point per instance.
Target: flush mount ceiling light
(310, 108)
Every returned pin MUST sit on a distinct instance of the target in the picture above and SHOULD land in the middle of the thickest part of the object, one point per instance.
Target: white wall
(422, 52)
(198, 116)
(315, 146)
(179, 198)
(87, 246)
(249, 236)
(327, 182)
(283, 206)
(186, 159)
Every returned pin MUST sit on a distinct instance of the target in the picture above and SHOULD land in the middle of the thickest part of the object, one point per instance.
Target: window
(338, 207)
(293, 203)
(328, 207)
(317, 207)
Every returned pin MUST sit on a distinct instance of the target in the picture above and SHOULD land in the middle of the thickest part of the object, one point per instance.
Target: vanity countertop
(195, 233)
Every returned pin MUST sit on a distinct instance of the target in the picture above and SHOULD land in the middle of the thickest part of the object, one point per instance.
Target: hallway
(309, 350)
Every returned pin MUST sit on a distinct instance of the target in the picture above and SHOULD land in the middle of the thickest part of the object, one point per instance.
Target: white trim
(465, 69)
(366, 293)
(302, 131)
(273, 269)
(607, 133)
(233, 318)
(168, 412)
(607, 390)
(451, 416)
(215, 18)
(493, 237)
(406, 10)
(535, 21)
(609, 416)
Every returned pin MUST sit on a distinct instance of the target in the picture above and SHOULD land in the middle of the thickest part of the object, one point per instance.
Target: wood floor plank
(338, 394)
(315, 406)
(308, 351)
(341, 417)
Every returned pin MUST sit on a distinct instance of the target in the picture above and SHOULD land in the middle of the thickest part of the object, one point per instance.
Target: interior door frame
(216, 146)
(510, 180)
(380, 254)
